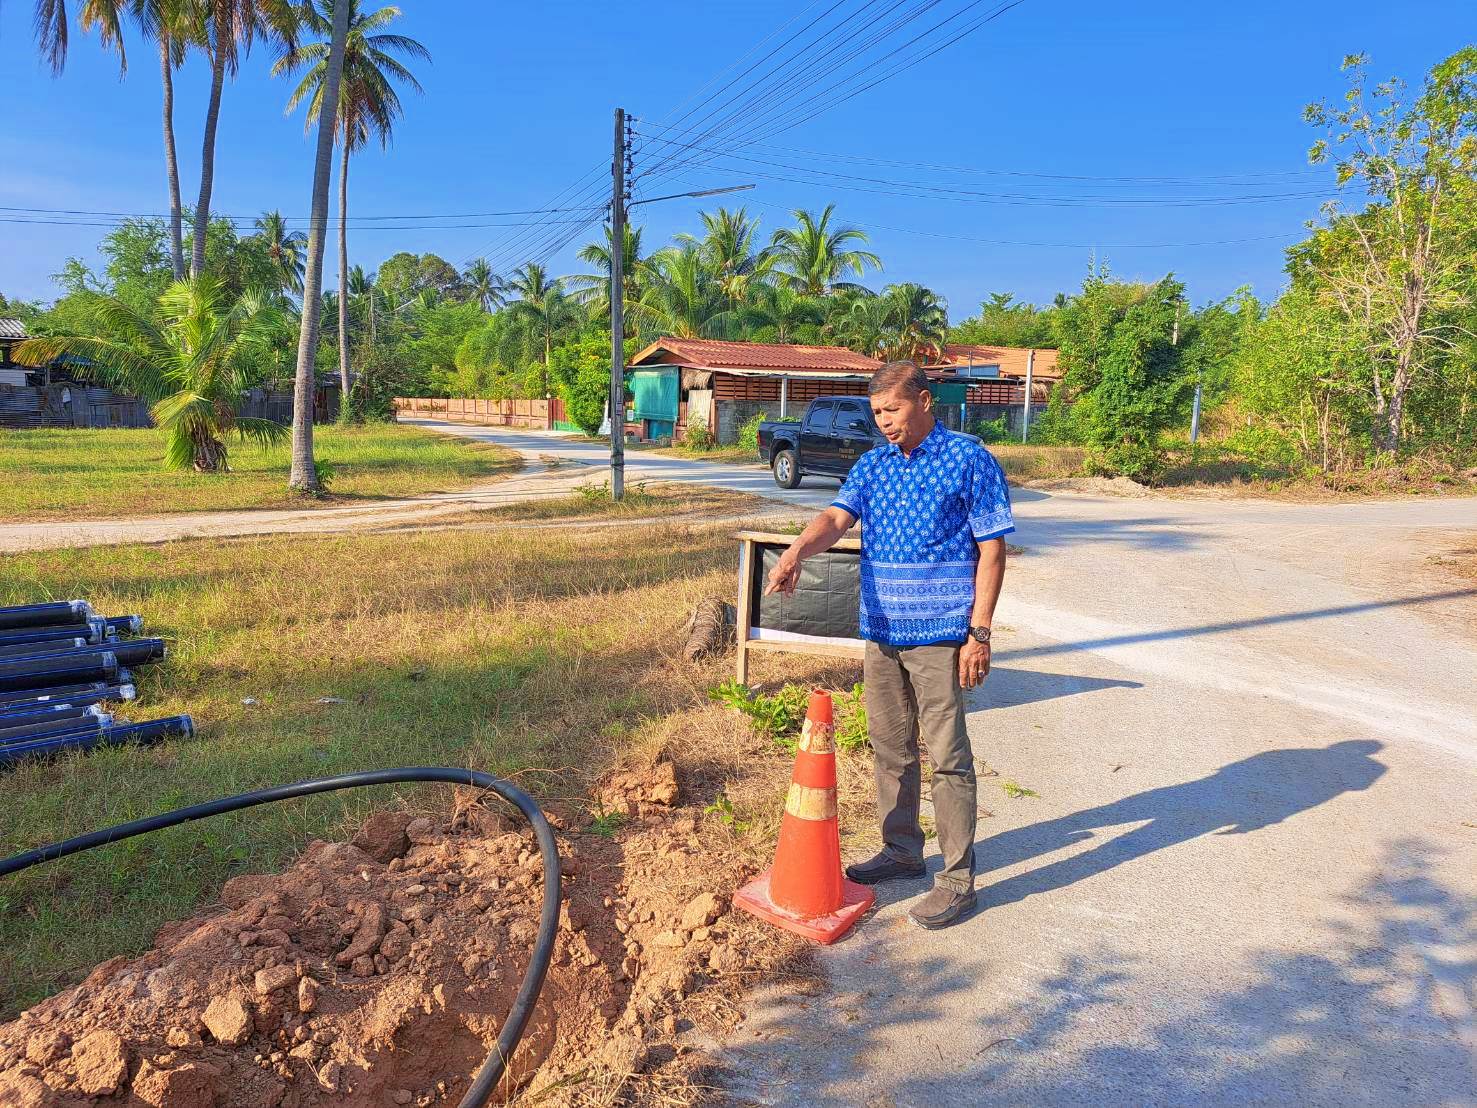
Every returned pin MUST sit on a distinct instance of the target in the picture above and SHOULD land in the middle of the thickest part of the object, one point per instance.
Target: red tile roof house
(725, 384)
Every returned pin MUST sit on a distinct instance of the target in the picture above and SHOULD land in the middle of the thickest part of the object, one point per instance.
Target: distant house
(725, 384)
(12, 333)
(996, 379)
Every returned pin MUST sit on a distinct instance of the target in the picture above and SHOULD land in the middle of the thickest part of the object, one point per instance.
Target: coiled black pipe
(485, 1082)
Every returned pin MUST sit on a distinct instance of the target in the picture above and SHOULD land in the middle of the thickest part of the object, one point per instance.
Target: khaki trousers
(913, 692)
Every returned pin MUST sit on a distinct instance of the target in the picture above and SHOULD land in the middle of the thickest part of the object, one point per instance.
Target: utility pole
(617, 321)
(1026, 411)
(1195, 404)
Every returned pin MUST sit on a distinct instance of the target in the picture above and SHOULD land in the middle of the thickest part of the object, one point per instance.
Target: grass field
(641, 500)
(534, 655)
(55, 474)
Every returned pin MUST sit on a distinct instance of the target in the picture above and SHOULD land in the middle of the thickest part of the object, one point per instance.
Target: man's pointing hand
(784, 577)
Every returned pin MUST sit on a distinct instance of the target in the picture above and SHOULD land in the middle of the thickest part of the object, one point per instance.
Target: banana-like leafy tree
(191, 360)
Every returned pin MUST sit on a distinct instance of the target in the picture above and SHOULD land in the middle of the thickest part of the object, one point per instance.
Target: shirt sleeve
(989, 499)
(852, 496)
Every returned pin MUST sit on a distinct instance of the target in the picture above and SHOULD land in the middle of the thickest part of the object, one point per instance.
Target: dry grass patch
(120, 474)
(639, 500)
(536, 656)
(1033, 463)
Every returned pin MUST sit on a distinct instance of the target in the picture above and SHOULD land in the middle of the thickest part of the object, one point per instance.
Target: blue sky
(518, 103)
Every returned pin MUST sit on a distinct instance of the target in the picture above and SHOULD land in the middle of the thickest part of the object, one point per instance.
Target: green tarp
(654, 393)
(948, 392)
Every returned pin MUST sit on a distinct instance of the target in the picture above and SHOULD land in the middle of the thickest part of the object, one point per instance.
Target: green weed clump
(778, 716)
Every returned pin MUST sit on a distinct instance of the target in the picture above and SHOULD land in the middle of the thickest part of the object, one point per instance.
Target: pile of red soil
(379, 972)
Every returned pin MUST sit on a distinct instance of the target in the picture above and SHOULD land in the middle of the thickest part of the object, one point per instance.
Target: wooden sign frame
(751, 563)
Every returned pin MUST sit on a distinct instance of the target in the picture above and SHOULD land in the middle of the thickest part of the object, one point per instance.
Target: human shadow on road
(1237, 799)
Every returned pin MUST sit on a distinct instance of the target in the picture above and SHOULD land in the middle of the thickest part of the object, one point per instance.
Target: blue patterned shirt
(922, 519)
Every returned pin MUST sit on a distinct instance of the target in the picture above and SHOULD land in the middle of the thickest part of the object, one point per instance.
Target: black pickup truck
(836, 431)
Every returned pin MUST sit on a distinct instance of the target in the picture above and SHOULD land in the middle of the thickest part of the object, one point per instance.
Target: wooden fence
(538, 414)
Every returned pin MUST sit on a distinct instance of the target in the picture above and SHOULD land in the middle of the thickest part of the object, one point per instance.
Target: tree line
(1369, 353)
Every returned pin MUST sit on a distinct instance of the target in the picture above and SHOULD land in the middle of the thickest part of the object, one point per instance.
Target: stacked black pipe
(59, 664)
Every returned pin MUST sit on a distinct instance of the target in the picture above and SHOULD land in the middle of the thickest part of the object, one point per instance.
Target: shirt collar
(930, 441)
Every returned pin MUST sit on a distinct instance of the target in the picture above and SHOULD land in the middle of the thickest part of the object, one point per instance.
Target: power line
(1193, 179)
(290, 219)
(784, 105)
(1055, 245)
(922, 190)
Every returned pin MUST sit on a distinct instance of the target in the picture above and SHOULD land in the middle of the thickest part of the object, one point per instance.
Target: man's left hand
(974, 663)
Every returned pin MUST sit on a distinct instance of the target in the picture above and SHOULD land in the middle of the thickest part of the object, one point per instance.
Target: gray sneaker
(942, 907)
(884, 867)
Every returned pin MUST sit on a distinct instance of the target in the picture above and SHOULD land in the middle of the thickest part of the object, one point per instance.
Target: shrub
(993, 430)
(697, 436)
(748, 437)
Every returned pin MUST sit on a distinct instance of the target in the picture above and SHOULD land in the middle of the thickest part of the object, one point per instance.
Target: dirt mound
(380, 973)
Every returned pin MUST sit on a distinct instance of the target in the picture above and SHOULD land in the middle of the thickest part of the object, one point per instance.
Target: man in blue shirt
(934, 509)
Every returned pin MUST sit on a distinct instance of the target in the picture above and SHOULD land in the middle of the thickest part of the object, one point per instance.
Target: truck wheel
(786, 472)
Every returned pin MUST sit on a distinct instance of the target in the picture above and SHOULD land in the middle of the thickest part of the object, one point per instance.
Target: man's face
(904, 418)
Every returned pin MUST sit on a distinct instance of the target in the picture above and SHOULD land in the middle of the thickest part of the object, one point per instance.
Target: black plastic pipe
(131, 734)
(485, 1082)
(45, 646)
(95, 692)
(12, 715)
(128, 652)
(44, 673)
(120, 734)
(44, 615)
(36, 725)
(125, 625)
(94, 630)
(58, 729)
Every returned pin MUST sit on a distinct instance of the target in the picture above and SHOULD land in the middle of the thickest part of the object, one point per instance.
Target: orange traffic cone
(804, 891)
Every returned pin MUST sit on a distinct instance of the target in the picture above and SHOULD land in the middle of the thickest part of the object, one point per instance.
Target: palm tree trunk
(207, 153)
(171, 160)
(304, 476)
(343, 281)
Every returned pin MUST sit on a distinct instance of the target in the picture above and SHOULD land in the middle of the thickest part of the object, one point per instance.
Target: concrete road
(1250, 872)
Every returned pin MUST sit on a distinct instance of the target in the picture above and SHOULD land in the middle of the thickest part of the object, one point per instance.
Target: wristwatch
(980, 634)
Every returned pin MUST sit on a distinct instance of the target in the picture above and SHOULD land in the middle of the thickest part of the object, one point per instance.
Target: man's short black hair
(904, 375)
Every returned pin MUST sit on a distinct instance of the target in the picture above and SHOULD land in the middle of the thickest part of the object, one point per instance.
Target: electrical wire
(894, 187)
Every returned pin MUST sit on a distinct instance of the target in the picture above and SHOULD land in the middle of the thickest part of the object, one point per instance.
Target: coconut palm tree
(285, 248)
(543, 306)
(191, 361)
(485, 286)
(777, 313)
(368, 104)
(916, 321)
(228, 29)
(682, 297)
(727, 247)
(168, 24)
(304, 474)
(813, 256)
(362, 290)
(593, 289)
